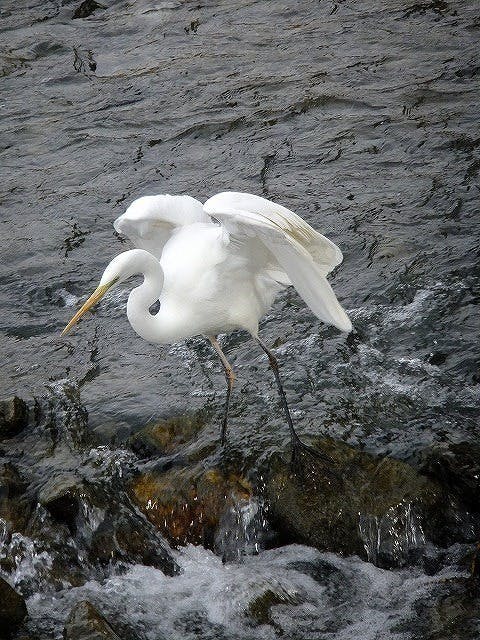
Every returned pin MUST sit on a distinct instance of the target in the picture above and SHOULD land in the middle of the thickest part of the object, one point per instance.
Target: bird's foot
(304, 455)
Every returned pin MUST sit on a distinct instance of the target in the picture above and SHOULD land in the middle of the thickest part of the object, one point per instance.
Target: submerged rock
(15, 507)
(454, 612)
(86, 8)
(456, 465)
(187, 504)
(112, 432)
(85, 622)
(260, 608)
(379, 508)
(13, 417)
(166, 436)
(13, 609)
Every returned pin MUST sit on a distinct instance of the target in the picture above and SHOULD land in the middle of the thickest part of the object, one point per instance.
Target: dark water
(360, 116)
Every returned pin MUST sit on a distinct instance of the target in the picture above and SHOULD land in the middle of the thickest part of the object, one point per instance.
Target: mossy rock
(85, 622)
(186, 504)
(166, 436)
(260, 608)
(379, 508)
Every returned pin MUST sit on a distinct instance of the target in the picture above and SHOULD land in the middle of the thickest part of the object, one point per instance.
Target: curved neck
(148, 326)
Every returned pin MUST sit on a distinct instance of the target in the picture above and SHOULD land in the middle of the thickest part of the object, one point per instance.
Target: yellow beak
(96, 296)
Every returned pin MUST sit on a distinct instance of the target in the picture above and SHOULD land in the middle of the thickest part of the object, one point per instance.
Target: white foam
(210, 598)
(69, 299)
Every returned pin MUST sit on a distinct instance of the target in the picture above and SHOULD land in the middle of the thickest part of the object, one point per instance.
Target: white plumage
(224, 262)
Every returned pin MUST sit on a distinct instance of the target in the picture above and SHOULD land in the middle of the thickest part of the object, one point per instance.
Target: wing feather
(150, 220)
(292, 249)
(261, 211)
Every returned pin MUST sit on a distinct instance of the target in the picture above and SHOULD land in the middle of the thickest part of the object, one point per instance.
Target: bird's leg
(297, 445)
(283, 398)
(230, 378)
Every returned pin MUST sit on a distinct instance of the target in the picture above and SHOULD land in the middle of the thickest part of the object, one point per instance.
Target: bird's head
(121, 268)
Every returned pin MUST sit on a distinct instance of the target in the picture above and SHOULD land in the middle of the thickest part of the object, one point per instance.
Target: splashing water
(390, 540)
(294, 592)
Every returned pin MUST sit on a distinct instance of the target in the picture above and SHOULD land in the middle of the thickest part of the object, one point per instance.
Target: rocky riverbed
(154, 502)
(120, 514)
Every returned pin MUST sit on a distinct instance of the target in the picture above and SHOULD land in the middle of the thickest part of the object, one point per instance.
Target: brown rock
(186, 504)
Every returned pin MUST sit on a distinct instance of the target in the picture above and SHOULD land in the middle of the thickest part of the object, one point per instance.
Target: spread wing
(284, 246)
(150, 221)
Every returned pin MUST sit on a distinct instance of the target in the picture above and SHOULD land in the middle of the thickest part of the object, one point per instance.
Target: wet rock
(453, 614)
(243, 530)
(13, 609)
(63, 418)
(61, 497)
(112, 433)
(166, 436)
(437, 358)
(260, 609)
(86, 9)
(85, 622)
(186, 505)
(457, 466)
(15, 506)
(379, 508)
(126, 536)
(475, 564)
(102, 521)
(48, 544)
(13, 417)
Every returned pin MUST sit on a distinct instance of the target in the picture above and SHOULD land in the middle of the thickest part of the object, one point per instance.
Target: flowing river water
(360, 116)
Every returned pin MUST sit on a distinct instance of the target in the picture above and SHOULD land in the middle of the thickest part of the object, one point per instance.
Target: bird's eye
(154, 308)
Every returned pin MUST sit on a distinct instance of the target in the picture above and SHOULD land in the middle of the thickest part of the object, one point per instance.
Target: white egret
(218, 267)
